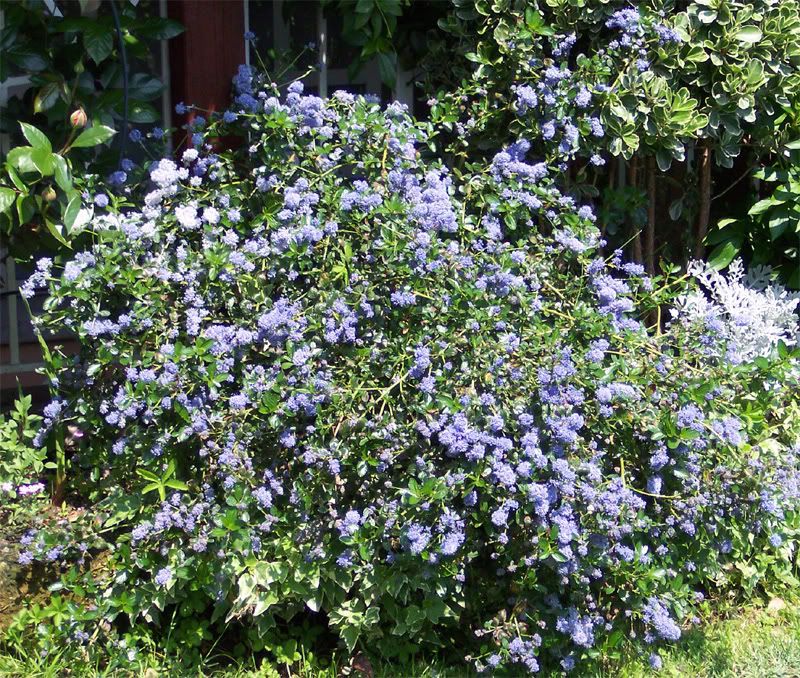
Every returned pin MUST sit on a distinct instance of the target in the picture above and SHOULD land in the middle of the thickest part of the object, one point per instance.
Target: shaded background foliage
(94, 65)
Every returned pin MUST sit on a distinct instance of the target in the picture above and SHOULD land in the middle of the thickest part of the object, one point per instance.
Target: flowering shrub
(326, 375)
(19, 459)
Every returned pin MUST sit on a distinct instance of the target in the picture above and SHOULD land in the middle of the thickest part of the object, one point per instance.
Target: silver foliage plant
(749, 311)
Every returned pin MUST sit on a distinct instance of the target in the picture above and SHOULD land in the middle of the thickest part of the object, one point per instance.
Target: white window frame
(8, 277)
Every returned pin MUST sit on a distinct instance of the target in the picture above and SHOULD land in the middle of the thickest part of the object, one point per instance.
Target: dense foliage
(323, 376)
(663, 89)
(90, 65)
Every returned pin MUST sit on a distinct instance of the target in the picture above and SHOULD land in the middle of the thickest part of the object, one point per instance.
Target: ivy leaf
(36, 137)
(99, 42)
(93, 136)
(350, 636)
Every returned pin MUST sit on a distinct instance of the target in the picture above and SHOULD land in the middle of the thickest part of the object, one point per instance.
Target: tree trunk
(637, 236)
(650, 233)
(704, 208)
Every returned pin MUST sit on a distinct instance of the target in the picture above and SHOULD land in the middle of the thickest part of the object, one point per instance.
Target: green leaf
(663, 159)
(387, 67)
(761, 206)
(755, 71)
(750, 34)
(42, 158)
(55, 230)
(20, 157)
(145, 87)
(778, 223)
(36, 137)
(7, 198)
(142, 113)
(722, 255)
(147, 475)
(156, 28)
(26, 208)
(707, 16)
(71, 212)
(63, 177)
(99, 42)
(15, 179)
(46, 97)
(350, 636)
(150, 487)
(93, 136)
(27, 59)
(176, 484)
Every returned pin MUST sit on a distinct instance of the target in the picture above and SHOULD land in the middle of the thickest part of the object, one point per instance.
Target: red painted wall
(205, 57)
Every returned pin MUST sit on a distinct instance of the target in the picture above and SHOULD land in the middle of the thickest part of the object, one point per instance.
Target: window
(289, 26)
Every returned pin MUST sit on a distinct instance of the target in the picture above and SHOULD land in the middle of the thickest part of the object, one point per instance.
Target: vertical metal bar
(281, 30)
(247, 30)
(322, 38)
(166, 95)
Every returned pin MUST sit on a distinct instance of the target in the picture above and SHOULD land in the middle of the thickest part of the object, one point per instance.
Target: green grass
(754, 643)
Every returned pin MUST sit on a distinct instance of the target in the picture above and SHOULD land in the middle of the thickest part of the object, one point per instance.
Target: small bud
(78, 118)
(48, 194)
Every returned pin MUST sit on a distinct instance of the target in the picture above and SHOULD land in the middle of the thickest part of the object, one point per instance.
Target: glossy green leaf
(722, 255)
(20, 158)
(71, 212)
(98, 41)
(15, 178)
(56, 231)
(35, 137)
(93, 136)
(46, 97)
(7, 198)
(42, 158)
(62, 173)
(157, 28)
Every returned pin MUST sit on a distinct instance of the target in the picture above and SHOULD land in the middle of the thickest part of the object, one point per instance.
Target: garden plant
(345, 382)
